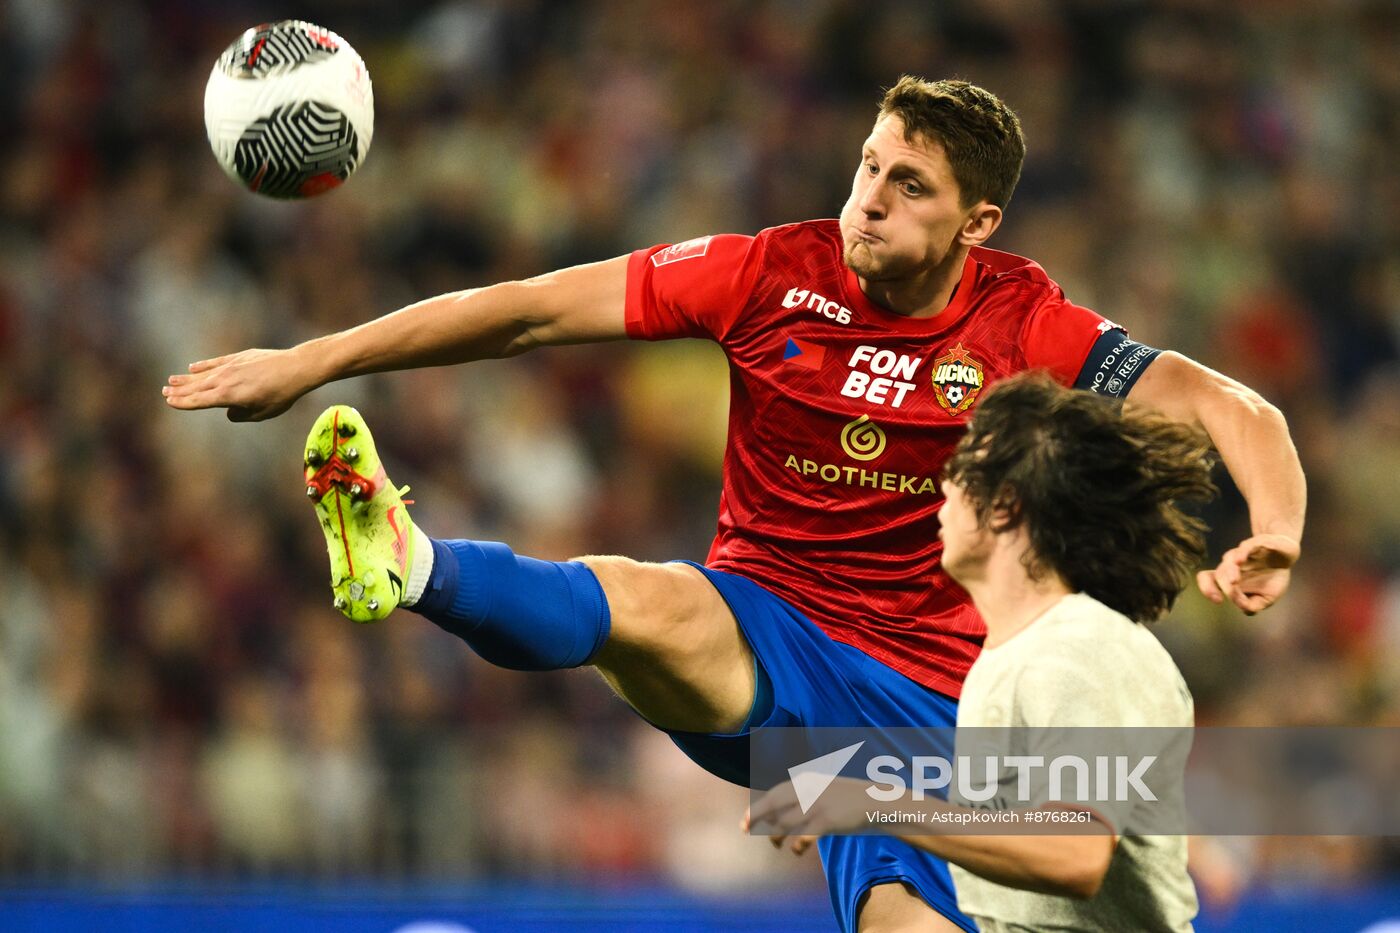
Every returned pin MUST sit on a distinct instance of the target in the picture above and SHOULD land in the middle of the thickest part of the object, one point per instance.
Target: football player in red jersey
(857, 351)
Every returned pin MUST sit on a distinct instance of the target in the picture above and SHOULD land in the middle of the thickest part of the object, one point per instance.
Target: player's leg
(879, 882)
(675, 652)
(660, 633)
(894, 907)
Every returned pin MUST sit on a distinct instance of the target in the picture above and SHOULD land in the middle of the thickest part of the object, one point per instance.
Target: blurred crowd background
(178, 697)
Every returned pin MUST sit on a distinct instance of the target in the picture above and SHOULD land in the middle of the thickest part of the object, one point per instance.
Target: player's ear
(981, 222)
(1001, 520)
(1005, 513)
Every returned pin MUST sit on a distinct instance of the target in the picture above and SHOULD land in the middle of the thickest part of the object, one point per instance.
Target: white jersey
(1083, 664)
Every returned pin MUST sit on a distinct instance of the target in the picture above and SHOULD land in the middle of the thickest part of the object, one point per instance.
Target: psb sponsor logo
(690, 249)
(819, 303)
(957, 379)
(863, 439)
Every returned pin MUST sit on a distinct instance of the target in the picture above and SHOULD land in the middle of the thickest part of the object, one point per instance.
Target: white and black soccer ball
(289, 110)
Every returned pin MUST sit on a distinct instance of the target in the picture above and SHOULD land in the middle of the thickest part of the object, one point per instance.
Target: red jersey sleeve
(1059, 334)
(698, 288)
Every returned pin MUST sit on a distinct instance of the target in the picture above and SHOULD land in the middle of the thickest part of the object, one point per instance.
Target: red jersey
(842, 414)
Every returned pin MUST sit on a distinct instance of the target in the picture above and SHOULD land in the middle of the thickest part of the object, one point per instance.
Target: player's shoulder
(1082, 628)
(1080, 616)
(1085, 650)
(1076, 628)
(806, 254)
(1000, 269)
(825, 231)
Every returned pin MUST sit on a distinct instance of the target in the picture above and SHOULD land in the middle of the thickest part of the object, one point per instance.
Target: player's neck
(1009, 599)
(921, 296)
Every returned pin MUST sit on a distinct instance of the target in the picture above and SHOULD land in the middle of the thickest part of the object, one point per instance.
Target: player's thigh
(675, 652)
(894, 907)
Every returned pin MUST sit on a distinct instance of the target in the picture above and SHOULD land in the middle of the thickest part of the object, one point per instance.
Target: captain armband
(1114, 364)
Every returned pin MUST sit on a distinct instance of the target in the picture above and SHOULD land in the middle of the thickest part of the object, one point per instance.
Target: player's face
(966, 541)
(903, 217)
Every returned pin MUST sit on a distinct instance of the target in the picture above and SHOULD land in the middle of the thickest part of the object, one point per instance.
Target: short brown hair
(979, 133)
(1099, 489)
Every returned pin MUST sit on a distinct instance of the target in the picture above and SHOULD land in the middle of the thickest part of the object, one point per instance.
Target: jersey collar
(945, 320)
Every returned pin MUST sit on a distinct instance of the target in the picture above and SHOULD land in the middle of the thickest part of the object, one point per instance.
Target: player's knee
(658, 609)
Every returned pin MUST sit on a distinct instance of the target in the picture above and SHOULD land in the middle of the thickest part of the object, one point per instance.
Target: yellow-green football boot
(368, 532)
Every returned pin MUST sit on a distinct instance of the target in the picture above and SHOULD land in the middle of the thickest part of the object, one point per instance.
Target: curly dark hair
(1098, 487)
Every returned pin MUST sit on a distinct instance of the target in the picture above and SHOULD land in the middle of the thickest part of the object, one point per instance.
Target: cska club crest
(957, 378)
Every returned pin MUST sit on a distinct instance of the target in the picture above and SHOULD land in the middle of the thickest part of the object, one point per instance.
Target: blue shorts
(816, 681)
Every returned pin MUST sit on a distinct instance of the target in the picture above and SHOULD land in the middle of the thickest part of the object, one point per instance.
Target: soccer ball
(289, 110)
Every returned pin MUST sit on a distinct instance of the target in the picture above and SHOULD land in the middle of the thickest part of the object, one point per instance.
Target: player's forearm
(1255, 445)
(1069, 866)
(460, 327)
(574, 305)
(1250, 434)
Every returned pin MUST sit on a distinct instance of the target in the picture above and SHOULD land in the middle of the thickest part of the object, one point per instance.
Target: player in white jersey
(1039, 474)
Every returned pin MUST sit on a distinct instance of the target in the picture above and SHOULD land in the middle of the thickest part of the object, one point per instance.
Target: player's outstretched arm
(581, 304)
(1069, 865)
(1255, 445)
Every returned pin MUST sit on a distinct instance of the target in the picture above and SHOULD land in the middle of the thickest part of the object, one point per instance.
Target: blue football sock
(516, 612)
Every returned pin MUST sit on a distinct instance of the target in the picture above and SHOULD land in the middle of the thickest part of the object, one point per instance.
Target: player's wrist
(1288, 543)
(319, 361)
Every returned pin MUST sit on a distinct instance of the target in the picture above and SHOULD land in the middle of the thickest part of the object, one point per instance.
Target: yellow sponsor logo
(868, 479)
(862, 439)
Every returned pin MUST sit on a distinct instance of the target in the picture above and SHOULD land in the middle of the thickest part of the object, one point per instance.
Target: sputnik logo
(811, 778)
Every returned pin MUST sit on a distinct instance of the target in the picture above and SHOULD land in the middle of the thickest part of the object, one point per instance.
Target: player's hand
(840, 809)
(1253, 575)
(253, 384)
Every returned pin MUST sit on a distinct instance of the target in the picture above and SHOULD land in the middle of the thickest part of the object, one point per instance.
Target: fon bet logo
(880, 376)
(957, 379)
(863, 439)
